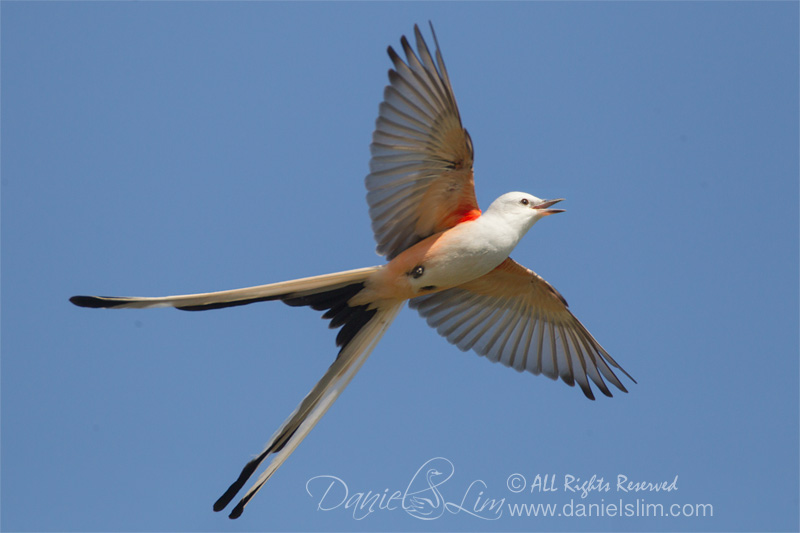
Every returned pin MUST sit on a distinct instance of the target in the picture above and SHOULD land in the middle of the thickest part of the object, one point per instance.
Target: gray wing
(514, 317)
(420, 180)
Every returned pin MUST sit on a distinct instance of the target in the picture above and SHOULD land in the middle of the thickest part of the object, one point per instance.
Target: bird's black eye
(524, 201)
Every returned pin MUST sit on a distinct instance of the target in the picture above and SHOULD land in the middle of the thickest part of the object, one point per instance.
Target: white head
(522, 210)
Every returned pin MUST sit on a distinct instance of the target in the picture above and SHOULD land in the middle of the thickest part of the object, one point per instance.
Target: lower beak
(547, 203)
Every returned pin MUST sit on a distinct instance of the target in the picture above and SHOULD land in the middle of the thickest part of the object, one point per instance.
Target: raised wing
(420, 180)
(513, 316)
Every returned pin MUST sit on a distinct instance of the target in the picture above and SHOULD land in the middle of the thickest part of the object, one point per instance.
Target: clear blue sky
(163, 148)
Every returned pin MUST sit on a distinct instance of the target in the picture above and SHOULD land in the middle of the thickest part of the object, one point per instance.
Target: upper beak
(547, 203)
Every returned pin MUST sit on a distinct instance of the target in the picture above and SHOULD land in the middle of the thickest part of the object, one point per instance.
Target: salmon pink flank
(472, 214)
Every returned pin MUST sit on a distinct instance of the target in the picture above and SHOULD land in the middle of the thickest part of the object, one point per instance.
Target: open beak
(547, 203)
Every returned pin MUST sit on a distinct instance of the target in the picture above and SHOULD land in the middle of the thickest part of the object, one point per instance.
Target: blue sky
(163, 148)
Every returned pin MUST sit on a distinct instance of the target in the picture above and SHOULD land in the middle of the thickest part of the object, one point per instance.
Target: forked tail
(232, 298)
(362, 326)
(352, 355)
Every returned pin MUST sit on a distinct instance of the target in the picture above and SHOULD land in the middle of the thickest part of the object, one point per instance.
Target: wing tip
(587, 390)
(629, 377)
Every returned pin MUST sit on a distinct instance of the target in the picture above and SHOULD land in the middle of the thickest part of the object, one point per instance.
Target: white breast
(467, 252)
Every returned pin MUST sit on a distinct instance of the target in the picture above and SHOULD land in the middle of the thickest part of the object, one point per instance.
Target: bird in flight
(446, 257)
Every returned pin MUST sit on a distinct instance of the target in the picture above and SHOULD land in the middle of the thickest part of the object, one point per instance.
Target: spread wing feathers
(313, 407)
(420, 180)
(513, 316)
(231, 298)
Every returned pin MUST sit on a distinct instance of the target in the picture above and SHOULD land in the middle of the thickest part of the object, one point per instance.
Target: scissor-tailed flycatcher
(449, 260)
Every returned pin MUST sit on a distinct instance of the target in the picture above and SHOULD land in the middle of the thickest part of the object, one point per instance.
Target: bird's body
(465, 252)
(445, 256)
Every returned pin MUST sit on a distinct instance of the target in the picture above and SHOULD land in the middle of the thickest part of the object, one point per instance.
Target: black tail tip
(87, 301)
(99, 302)
(226, 498)
(223, 502)
(237, 511)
